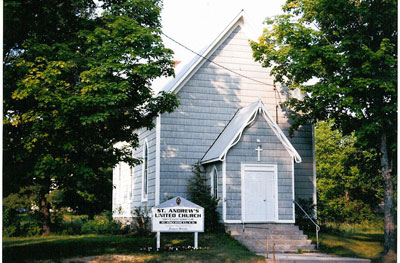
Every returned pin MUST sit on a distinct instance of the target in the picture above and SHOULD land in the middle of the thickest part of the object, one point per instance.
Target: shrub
(30, 228)
(73, 227)
(301, 219)
(101, 224)
(200, 193)
(15, 207)
(142, 221)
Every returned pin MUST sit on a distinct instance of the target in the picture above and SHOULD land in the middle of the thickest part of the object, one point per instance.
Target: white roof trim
(254, 109)
(182, 77)
(281, 136)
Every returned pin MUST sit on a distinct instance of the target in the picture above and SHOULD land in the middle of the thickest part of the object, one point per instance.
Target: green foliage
(14, 224)
(21, 225)
(342, 55)
(101, 224)
(301, 219)
(72, 227)
(349, 186)
(142, 221)
(29, 226)
(366, 227)
(199, 192)
(76, 83)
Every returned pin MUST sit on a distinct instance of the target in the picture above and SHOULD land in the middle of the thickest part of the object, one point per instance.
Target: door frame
(268, 167)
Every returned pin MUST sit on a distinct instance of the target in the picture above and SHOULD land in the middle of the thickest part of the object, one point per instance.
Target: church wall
(208, 101)
(273, 153)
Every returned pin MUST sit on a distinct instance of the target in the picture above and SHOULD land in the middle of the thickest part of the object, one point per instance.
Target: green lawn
(353, 245)
(351, 240)
(222, 248)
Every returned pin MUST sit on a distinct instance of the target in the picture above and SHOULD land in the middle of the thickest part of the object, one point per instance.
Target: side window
(145, 166)
(214, 182)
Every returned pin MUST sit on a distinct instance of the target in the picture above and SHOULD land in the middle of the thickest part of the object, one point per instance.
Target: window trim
(145, 163)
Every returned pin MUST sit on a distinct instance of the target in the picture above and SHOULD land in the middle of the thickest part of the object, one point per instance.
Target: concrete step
(263, 242)
(286, 237)
(281, 245)
(264, 233)
(290, 237)
(312, 258)
(282, 248)
(259, 227)
(275, 236)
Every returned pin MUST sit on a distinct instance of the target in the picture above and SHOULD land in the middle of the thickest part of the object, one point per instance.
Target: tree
(349, 186)
(342, 55)
(75, 83)
(199, 192)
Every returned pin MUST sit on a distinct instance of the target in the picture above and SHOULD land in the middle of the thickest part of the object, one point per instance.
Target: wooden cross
(259, 150)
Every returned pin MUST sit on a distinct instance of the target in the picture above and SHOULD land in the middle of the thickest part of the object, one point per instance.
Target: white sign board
(177, 215)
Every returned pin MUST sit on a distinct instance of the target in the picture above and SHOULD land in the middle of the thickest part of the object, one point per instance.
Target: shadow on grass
(63, 247)
(222, 248)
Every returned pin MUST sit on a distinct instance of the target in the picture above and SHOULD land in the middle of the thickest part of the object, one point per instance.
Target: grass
(222, 248)
(352, 240)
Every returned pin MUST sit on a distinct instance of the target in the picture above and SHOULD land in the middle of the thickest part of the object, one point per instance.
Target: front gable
(232, 133)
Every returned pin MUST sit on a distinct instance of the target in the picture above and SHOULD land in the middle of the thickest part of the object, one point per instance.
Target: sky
(196, 23)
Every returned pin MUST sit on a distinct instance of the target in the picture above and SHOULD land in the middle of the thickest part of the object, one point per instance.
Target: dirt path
(103, 259)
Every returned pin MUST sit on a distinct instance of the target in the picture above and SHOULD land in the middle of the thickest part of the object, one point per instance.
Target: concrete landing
(312, 258)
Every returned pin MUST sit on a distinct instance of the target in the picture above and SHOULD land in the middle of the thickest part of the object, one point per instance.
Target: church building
(230, 120)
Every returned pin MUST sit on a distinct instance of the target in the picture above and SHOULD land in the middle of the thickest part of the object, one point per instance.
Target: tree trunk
(45, 211)
(389, 235)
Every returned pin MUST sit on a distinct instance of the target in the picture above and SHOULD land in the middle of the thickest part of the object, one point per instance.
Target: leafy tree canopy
(75, 83)
(342, 54)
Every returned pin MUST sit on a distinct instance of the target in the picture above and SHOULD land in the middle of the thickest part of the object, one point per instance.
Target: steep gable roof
(232, 133)
(190, 68)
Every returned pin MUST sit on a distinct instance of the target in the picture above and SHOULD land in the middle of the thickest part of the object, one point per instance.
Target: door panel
(259, 195)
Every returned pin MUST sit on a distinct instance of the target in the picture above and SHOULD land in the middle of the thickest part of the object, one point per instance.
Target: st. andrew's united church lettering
(178, 215)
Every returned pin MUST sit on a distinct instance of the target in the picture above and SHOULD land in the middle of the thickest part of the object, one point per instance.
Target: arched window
(214, 182)
(145, 175)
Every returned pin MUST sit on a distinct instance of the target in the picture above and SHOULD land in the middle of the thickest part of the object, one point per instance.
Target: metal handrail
(317, 227)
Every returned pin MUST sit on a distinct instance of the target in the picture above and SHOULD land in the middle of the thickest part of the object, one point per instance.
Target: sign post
(196, 240)
(177, 215)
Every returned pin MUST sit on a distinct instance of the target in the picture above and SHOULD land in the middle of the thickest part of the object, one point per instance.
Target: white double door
(259, 193)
